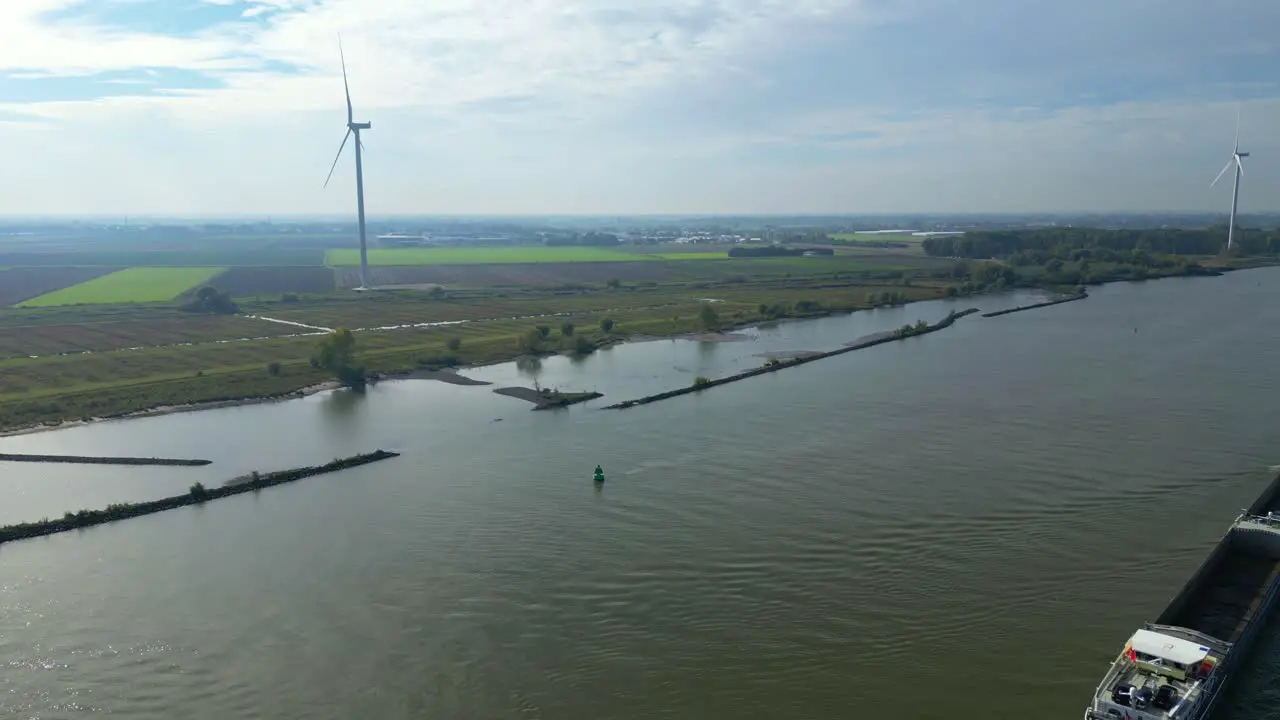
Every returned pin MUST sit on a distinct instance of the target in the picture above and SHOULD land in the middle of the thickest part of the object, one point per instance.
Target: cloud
(577, 105)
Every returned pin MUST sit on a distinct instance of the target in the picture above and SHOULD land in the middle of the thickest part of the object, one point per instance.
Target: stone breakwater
(92, 460)
(879, 339)
(1021, 308)
(197, 495)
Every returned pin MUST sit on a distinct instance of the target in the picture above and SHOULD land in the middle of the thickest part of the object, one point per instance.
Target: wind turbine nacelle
(1240, 154)
(359, 126)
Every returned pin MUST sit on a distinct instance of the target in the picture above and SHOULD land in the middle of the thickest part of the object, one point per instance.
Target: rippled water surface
(967, 524)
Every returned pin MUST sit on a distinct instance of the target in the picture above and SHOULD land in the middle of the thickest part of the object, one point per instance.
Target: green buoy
(599, 475)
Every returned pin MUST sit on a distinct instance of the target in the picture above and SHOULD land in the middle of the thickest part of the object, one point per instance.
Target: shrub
(701, 381)
(454, 344)
(437, 361)
(211, 300)
(198, 492)
(566, 329)
(351, 376)
(273, 369)
(708, 316)
(614, 283)
(543, 330)
(583, 346)
(606, 324)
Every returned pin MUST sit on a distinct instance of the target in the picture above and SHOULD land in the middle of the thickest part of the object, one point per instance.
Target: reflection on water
(529, 366)
(907, 531)
(346, 405)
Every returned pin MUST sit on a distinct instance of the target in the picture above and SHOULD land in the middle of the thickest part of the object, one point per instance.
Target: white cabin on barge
(1163, 673)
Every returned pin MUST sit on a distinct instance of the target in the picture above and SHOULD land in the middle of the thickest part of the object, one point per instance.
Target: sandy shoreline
(447, 376)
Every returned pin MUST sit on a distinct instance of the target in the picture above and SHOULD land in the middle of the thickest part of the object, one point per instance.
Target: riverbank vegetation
(196, 495)
(1086, 256)
(91, 361)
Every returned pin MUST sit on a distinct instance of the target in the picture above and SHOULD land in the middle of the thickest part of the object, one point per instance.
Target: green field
(479, 256)
(133, 285)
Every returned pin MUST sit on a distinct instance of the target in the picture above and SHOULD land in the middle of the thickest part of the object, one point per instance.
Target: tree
(211, 300)
(606, 325)
(336, 353)
(530, 341)
(708, 316)
(454, 344)
(614, 283)
(543, 330)
(763, 309)
(566, 329)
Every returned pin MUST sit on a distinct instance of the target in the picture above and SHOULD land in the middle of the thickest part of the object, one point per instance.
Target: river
(965, 524)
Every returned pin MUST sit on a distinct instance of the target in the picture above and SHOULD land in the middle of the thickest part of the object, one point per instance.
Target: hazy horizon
(348, 218)
(234, 108)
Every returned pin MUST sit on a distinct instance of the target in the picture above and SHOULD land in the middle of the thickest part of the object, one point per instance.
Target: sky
(235, 107)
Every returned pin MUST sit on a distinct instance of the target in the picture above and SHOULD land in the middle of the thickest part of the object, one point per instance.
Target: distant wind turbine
(1236, 155)
(354, 127)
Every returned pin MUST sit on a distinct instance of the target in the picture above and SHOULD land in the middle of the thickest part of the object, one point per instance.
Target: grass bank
(197, 495)
(404, 332)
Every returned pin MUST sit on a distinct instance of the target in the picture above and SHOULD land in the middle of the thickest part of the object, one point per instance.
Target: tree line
(1037, 245)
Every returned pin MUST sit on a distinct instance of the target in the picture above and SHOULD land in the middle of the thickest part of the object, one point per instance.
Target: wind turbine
(1236, 155)
(353, 128)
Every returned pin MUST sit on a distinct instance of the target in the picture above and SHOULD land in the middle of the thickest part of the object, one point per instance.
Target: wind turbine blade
(346, 88)
(336, 157)
(1237, 157)
(362, 147)
(1224, 171)
(1237, 128)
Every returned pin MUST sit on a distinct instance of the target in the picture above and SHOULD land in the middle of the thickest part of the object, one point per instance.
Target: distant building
(400, 240)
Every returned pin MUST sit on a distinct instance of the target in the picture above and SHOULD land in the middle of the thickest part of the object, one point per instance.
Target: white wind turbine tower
(1236, 155)
(354, 128)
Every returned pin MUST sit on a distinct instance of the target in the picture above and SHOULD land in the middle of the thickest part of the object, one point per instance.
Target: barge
(1177, 667)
